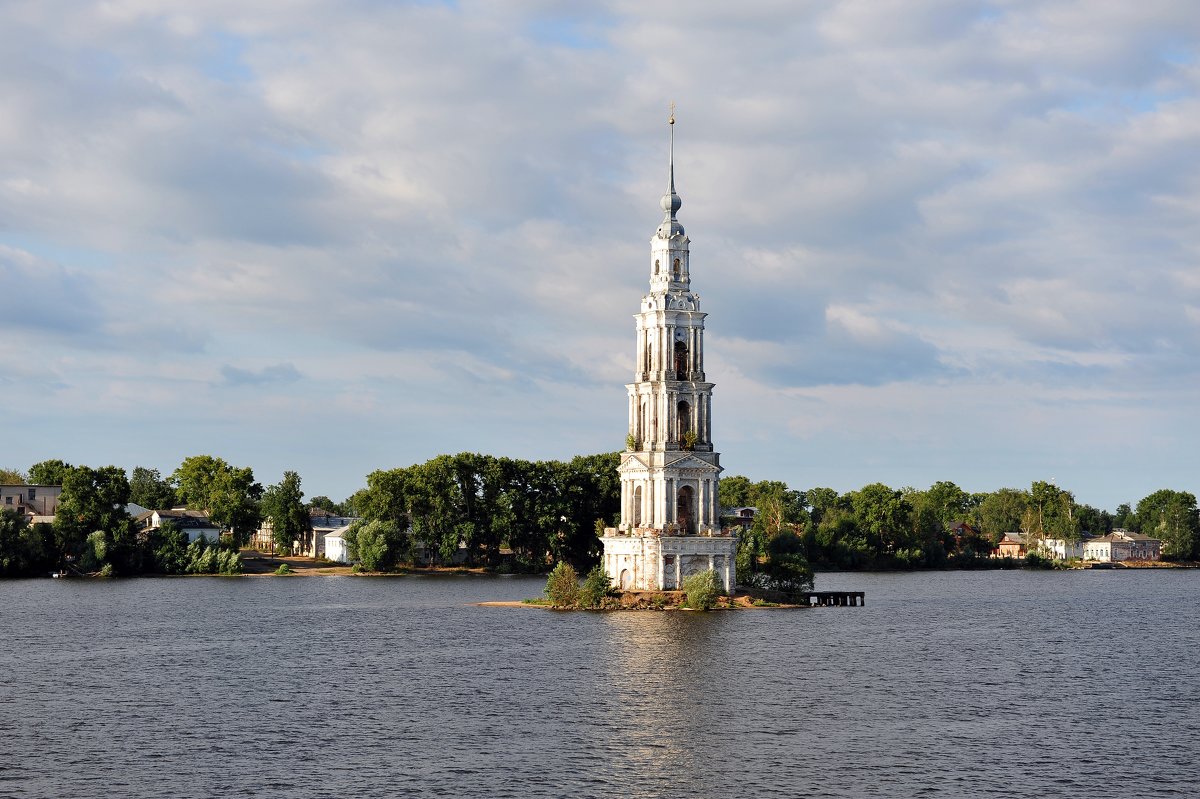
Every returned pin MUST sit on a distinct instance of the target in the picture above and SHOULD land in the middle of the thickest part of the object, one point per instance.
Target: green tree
(949, 502)
(91, 523)
(882, 514)
(12, 477)
(930, 542)
(48, 473)
(1001, 512)
(283, 504)
(821, 500)
(787, 568)
(228, 494)
(1125, 518)
(1051, 513)
(735, 492)
(1172, 517)
(149, 489)
(378, 545)
(168, 546)
(562, 587)
(701, 590)
(779, 507)
(596, 587)
(1094, 521)
(25, 549)
(325, 503)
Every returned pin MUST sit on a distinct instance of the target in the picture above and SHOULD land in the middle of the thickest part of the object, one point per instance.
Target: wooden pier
(839, 599)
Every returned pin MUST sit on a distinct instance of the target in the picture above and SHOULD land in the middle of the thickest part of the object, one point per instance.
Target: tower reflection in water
(666, 705)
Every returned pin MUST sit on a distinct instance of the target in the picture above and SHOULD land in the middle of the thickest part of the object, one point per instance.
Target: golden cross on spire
(671, 119)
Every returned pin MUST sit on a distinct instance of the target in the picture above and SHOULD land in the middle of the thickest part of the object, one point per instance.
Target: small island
(701, 591)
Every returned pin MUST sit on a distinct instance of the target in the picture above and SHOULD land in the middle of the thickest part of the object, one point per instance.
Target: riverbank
(259, 564)
(653, 600)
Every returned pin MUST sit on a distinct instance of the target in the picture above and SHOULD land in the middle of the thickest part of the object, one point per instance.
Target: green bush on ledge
(562, 587)
(701, 590)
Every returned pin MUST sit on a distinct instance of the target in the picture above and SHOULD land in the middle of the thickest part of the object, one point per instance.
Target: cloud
(44, 298)
(277, 374)
(887, 200)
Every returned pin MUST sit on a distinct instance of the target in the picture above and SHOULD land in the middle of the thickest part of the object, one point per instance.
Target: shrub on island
(562, 587)
(596, 588)
(701, 590)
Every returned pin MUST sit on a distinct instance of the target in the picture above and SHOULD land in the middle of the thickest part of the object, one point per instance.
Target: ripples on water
(1004, 684)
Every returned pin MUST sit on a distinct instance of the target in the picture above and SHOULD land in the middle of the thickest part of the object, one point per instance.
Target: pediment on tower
(691, 462)
(631, 461)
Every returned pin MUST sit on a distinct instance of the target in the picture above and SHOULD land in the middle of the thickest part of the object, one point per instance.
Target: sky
(936, 239)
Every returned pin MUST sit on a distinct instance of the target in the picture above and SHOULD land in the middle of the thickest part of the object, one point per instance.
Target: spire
(670, 201)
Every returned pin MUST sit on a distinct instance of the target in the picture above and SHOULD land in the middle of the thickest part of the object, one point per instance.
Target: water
(1005, 684)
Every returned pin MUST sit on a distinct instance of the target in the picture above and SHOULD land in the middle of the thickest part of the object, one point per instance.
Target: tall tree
(1001, 512)
(882, 514)
(949, 502)
(228, 494)
(821, 500)
(283, 504)
(48, 473)
(1172, 516)
(325, 503)
(735, 492)
(149, 489)
(12, 477)
(1125, 518)
(1051, 513)
(91, 523)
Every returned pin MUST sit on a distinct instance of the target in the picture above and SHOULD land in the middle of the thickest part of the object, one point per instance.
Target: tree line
(470, 508)
(882, 527)
(93, 533)
(496, 512)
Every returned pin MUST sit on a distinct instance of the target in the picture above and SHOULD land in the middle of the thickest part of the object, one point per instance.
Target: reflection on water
(997, 684)
(669, 695)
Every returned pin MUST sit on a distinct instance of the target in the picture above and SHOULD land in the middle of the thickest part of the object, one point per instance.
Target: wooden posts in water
(834, 599)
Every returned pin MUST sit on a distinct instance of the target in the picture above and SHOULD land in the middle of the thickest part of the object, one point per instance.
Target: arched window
(684, 415)
(675, 271)
(681, 361)
(656, 265)
(637, 507)
(685, 510)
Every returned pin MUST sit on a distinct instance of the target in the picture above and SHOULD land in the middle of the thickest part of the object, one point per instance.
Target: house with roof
(1121, 545)
(738, 517)
(311, 543)
(963, 530)
(192, 523)
(336, 549)
(30, 500)
(1012, 545)
(1060, 549)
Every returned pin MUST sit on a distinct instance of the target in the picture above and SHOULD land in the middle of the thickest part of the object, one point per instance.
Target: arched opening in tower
(637, 507)
(685, 510)
(684, 415)
(675, 270)
(681, 359)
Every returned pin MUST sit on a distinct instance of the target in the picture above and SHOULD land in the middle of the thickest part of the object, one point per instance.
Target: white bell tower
(670, 517)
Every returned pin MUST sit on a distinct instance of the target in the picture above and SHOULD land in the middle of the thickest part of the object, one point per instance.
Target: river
(946, 684)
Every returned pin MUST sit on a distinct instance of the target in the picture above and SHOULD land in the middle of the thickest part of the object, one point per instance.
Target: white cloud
(435, 217)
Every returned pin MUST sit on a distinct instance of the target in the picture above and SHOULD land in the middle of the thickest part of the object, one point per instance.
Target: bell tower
(670, 517)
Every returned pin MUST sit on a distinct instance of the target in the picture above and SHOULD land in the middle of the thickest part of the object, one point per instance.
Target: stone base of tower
(648, 560)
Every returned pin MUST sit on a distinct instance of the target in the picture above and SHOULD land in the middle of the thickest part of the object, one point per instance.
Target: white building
(670, 520)
(336, 548)
(1120, 545)
(30, 500)
(1061, 549)
(192, 523)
